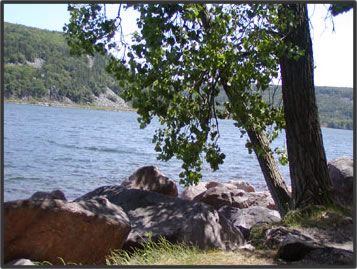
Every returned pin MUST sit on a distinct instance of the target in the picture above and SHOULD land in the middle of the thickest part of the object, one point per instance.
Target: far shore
(91, 107)
(58, 104)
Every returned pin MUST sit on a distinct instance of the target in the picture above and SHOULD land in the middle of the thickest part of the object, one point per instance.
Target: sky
(333, 51)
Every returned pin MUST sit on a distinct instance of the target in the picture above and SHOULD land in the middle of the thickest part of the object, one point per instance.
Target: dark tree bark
(271, 172)
(310, 179)
(268, 165)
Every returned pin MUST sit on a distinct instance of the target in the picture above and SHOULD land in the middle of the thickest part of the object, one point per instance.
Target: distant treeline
(38, 64)
(335, 104)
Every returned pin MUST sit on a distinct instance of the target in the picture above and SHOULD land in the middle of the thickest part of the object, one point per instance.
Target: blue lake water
(78, 150)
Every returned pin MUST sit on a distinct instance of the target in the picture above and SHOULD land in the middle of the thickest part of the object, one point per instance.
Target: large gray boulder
(245, 218)
(151, 179)
(78, 232)
(173, 218)
(341, 174)
(222, 195)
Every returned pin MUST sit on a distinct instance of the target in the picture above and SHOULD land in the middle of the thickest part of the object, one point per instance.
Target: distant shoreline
(91, 107)
(58, 104)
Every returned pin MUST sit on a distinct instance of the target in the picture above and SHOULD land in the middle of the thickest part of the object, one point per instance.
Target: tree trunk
(269, 167)
(310, 179)
(271, 172)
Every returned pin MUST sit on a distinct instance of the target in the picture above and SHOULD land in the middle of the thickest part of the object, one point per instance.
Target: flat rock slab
(78, 232)
(173, 218)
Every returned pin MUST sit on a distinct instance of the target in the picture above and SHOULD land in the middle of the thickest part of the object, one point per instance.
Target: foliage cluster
(37, 63)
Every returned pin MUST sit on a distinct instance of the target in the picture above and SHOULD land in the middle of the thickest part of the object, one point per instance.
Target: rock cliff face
(110, 99)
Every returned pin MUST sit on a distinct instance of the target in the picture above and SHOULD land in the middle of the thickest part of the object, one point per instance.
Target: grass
(314, 216)
(165, 253)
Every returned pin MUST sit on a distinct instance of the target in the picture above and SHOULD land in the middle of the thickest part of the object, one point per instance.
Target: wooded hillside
(37, 63)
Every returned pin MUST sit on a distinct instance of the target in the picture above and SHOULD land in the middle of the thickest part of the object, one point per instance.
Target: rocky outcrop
(79, 232)
(341, 174)
(150, 178)
(223, 195)
(110, 99)
(177, 220)
(192, 191)
(245, 218)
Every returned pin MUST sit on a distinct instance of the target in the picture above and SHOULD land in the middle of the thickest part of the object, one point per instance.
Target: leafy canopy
(181, 58)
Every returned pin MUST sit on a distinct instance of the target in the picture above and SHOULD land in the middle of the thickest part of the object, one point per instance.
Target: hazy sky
(333, 51)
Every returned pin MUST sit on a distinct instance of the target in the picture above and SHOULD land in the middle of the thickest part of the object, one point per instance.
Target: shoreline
(80, 106)
(94, 107)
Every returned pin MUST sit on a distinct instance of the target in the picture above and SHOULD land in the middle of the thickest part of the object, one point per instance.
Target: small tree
(185, 54)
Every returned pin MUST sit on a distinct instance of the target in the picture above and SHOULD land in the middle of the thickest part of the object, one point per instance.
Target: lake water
(78, 150)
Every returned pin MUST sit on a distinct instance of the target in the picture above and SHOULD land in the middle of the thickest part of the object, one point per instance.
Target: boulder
(341, 174)
(245, 218)
(56, 194)
(150, 178)
(192, 191)
(275, 237)
(305, 252)
(155, 215)
(78, 232)
(294, 250)
(222, 195)
(242, 185)
(329, 256)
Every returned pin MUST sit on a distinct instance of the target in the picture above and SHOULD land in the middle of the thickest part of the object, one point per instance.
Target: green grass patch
(164, 252)
(316, 216)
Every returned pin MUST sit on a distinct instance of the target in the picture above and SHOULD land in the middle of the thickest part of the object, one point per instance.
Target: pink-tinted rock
(226, 196)
(151, 179)
(78, 232)
(242, 185)
(189, 193)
